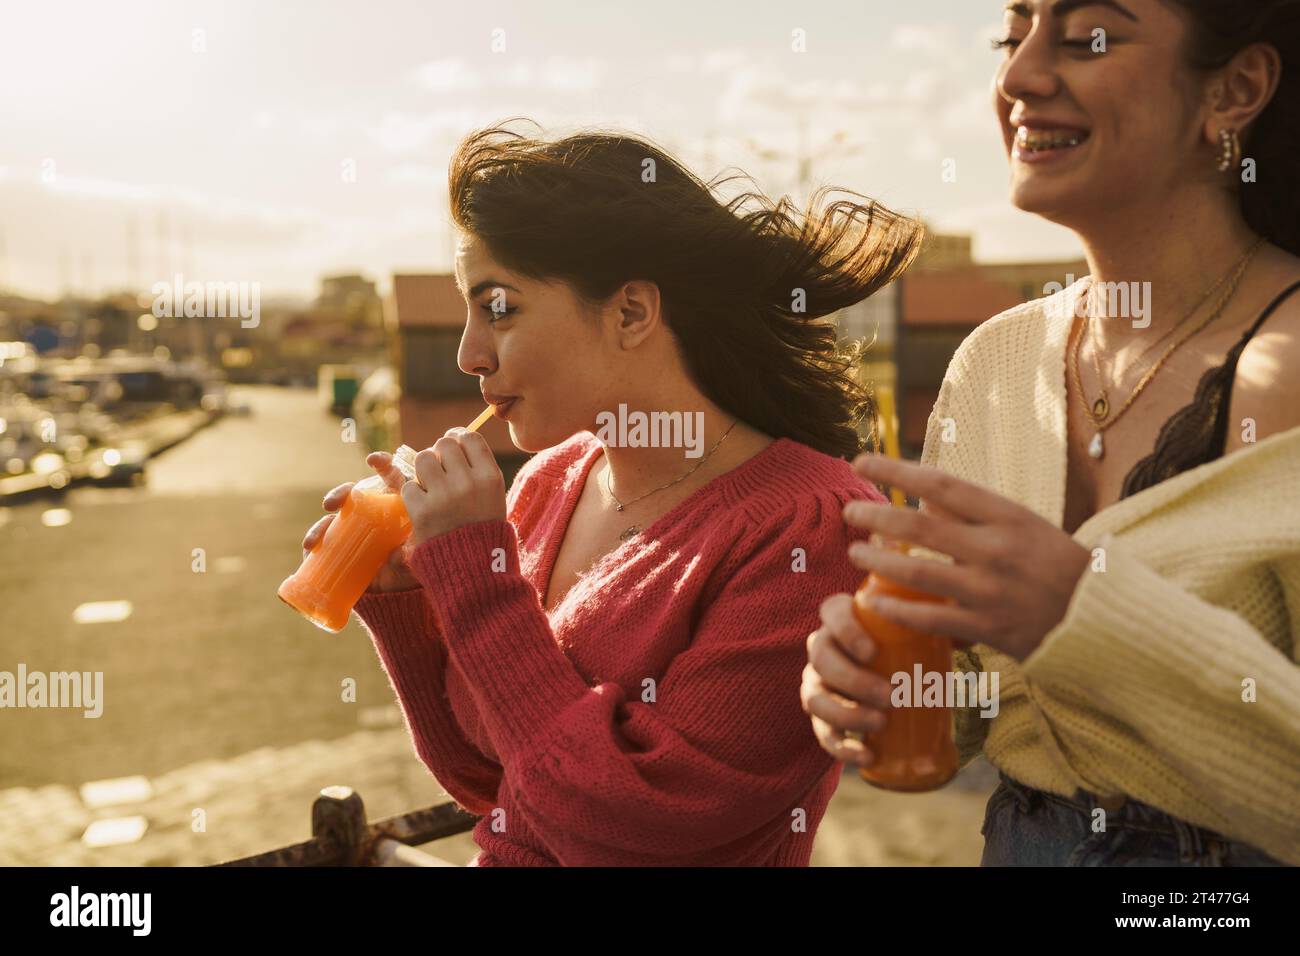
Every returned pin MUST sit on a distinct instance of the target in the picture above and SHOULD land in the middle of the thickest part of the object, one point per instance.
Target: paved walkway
(262, 799)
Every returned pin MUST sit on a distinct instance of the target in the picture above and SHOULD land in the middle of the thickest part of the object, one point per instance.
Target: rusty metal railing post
(342, 837)
(338, 818)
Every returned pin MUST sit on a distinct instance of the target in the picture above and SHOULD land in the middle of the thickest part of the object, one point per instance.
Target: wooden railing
(341, 836)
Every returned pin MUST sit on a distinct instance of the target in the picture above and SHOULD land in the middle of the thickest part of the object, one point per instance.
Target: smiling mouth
(1031, 141)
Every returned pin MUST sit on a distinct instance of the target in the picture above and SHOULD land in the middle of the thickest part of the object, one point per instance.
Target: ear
(1241, 89)
(639, 311)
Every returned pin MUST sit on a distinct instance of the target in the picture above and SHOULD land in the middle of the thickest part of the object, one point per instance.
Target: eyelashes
(1010, 43)
(494, 316)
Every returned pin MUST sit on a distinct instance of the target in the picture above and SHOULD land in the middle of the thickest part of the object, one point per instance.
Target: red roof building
(942, 300)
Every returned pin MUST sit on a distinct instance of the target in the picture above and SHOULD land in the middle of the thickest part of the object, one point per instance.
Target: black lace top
(1196, 434)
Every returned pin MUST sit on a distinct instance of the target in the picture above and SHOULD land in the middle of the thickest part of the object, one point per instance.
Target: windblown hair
(746, 285)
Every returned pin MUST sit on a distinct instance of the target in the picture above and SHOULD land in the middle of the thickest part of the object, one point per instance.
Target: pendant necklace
(1098, 411)
(619, 505)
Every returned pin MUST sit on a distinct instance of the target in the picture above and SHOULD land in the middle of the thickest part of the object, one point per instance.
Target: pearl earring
(1229, 149)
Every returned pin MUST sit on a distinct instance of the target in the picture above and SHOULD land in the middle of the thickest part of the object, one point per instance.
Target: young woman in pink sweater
(603, 661)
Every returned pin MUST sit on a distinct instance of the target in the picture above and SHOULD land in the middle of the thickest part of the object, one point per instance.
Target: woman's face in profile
(1096, 106)
(531, 341)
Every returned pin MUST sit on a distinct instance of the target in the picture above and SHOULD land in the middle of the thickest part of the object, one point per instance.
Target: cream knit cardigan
(1172, 679)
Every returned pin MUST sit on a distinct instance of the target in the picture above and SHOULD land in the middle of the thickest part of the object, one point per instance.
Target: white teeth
(1037, 140)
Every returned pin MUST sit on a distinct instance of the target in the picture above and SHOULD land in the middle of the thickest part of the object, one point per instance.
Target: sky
(275, 142)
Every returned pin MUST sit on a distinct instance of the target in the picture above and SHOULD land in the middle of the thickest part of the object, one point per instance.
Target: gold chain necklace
(1101, 405)
(619, 505)
(1097, 447)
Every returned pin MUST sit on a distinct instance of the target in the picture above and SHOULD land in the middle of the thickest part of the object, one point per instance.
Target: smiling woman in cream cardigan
(1136, 587)
(1171, 680)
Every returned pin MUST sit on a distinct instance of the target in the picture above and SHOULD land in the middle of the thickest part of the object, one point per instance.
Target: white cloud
(103, 189)
(556, 74)
(753, 94)
(923, 148)
(970, 110)
(923, 88)
(707, 62)
(402, 132)
(721, 61)
(321, 126)
(570, 75)
(932, 39)
(418, 173)
(175, 198)
(755, 97)
(447, 75)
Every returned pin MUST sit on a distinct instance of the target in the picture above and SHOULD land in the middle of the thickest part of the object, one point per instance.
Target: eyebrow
(1061, 7)
(487, 284)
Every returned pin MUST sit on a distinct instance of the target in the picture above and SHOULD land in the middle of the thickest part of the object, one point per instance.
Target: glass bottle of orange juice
(915, 750)
(368, 527)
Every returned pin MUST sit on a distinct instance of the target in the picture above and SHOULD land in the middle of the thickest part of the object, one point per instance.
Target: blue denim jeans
(1028, 827)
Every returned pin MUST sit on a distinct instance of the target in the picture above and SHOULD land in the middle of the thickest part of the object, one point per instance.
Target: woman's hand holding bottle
(395, 574)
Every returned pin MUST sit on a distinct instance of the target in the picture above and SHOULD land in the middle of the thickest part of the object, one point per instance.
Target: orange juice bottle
(370, 525)
(914, 751)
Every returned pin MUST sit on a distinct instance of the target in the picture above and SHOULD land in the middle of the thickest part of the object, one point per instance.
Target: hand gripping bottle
(370, 525)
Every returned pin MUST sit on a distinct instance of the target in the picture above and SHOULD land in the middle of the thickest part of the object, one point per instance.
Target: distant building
(874, 319)
(943, 297)
(352, 296)
(343, 326)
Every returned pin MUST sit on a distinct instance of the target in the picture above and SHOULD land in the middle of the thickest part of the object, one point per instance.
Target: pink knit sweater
(653, 717)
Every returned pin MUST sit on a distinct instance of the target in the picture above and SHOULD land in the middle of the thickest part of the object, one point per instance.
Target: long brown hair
(744, 284)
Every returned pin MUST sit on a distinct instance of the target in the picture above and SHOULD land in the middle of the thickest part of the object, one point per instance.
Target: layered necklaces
(1098, 410)
(620, 505)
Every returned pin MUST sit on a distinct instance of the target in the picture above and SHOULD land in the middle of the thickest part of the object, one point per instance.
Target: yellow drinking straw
(483, 416)
(409, 456)
(888, 418)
